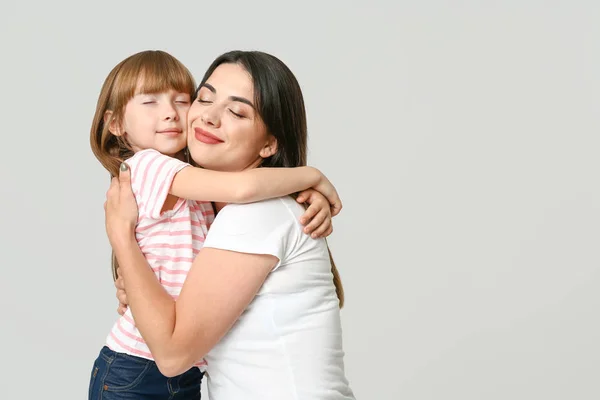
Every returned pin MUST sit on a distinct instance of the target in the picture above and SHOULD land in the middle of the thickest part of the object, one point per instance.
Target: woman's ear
(269, 148)
(113, 127)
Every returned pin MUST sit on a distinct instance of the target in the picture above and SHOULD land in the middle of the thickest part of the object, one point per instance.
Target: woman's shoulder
(271, 213)
(280, 207)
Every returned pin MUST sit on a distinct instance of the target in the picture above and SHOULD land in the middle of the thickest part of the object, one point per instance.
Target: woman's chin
(207, 162)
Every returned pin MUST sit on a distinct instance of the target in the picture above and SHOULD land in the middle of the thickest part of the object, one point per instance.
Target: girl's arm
(155, 176)
(251, 185)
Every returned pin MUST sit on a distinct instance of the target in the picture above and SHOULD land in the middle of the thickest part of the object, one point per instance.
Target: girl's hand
(326, 188)
(317, 215)
(120, 209)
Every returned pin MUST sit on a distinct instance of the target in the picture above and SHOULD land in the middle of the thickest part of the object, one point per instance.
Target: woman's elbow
(172, 366)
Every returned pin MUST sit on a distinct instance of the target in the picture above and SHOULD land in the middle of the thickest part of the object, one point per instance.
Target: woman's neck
(255, 164)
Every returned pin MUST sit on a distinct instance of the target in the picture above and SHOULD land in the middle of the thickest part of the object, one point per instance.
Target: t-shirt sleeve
(265, 227)
(152, 174)
(207, 211)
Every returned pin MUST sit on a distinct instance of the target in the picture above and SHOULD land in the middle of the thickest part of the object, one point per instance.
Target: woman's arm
(251, 185)
(218, 288)
(182, 332)
(317, 221)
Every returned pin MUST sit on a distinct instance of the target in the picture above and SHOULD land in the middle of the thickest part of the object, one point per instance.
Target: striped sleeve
(152, 174)
(207, 212)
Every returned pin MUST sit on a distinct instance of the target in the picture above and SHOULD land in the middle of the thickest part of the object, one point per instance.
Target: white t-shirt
(287, 345)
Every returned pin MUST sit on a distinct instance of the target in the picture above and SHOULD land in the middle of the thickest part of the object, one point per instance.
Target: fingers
(310, 212)
(125, 190)
(114, 184)
(321, 232)
(112, 189)
(124, 174)
(122, 296)
(119, 283)
(124, 178)
(305, 195)
(319, 224)
(323, 228)
(121, 309)
(336, 207)
(328, 190)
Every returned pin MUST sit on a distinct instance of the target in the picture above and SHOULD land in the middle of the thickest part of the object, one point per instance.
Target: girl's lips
(206, 137)
(171, 132)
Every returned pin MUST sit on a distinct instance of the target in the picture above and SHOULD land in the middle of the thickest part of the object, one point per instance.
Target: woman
(261, 302)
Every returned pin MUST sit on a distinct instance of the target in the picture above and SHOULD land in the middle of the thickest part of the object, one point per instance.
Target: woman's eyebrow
(209, 87)
(241, 100)
(232, 98)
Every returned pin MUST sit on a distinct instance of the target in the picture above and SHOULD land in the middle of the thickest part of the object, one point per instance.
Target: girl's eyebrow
(232, 98)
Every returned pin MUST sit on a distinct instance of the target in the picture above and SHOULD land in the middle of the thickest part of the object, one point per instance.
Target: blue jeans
(118, 376)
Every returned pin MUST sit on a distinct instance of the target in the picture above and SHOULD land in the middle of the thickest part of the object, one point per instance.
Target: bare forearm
(265, 183)
(152, 307)
(243, 187)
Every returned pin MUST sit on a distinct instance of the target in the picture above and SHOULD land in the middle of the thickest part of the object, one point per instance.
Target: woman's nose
(210, 116)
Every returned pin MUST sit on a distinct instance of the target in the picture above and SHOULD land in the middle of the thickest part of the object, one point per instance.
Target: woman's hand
(120, 209)
(326, 188)
(317, 216)
(121, 295)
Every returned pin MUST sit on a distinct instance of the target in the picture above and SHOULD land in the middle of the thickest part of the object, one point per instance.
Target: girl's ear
(113, 126)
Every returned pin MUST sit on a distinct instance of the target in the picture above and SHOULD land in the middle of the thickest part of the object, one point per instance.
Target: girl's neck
(219, 206)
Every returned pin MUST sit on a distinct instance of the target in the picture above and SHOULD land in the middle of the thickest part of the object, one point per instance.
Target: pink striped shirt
(169, 240)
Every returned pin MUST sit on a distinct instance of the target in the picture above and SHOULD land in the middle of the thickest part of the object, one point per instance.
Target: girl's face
(225, 131)
(155, 121)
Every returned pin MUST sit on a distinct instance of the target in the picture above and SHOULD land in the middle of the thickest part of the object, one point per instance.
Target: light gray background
(463, 139)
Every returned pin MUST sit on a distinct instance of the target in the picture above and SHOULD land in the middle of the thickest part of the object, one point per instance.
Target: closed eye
(236, 114)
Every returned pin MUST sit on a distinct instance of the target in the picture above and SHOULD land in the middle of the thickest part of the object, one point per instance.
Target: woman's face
(225, 131)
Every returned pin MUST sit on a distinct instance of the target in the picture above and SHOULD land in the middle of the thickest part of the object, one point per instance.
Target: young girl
(141, 118)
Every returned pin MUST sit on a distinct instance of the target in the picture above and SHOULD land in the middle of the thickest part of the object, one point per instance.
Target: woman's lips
(205, 137)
